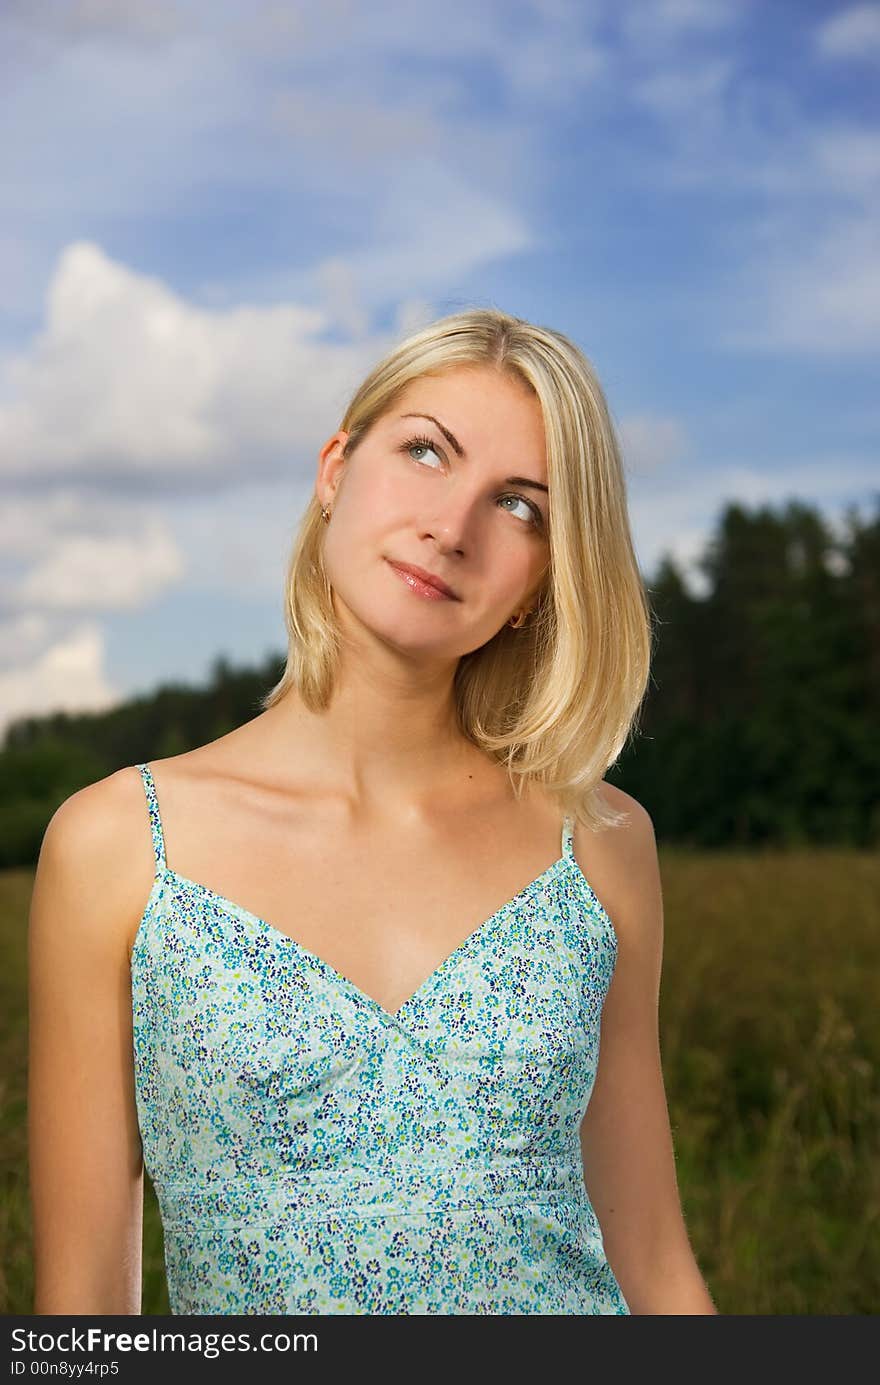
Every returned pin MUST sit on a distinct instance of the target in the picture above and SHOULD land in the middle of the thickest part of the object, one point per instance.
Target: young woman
(338, 978)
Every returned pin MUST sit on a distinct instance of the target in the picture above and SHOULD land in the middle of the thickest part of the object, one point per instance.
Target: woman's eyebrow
(457, 447)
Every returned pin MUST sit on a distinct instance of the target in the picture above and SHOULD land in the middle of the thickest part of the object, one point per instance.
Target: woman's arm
(86, 1170)
(626, 1141)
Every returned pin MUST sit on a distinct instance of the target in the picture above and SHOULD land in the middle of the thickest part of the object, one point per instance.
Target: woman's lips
(419, 584)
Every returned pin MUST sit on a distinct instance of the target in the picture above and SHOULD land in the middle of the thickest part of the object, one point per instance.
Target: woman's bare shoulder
(106, 814)
(620, 861)
(637, 824)
(96, 859)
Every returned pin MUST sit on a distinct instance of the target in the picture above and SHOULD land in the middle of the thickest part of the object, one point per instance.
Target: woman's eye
(420, 445)
(532, 514)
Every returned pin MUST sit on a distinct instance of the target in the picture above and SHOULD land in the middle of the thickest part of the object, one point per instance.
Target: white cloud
(130, 382)
(22, 638)
(32, 522)
(853, 33)
(68, 676)
(121, 573)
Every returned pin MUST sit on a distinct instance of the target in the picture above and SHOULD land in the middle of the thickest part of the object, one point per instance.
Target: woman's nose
(451, 522)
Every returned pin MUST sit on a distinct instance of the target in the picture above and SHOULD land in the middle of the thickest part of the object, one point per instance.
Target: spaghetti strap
(567, 835)
(155, 819)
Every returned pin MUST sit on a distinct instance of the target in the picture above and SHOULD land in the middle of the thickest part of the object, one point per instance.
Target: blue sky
(216, 217)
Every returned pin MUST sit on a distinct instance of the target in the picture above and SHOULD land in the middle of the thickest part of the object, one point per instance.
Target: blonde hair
(555, 700)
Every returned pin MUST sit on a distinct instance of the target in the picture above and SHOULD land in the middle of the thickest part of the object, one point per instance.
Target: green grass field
(770, 1032)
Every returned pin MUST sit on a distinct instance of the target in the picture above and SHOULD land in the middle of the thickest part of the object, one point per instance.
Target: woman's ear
(330, 464)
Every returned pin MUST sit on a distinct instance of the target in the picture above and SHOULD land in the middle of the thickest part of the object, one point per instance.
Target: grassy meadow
(770, 1032)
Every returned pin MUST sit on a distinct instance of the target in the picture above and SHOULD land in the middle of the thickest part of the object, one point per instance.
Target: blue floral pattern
(312, 1152)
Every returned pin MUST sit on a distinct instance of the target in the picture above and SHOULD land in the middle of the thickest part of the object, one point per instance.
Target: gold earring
(325, 514)
(518, 620)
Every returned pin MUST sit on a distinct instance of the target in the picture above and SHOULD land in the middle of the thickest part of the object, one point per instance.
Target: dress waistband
(382, 1191)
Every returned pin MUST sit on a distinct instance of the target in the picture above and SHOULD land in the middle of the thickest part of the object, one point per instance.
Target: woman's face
(475, 518)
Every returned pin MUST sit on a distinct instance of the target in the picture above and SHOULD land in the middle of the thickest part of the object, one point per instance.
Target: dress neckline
(286, 941)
